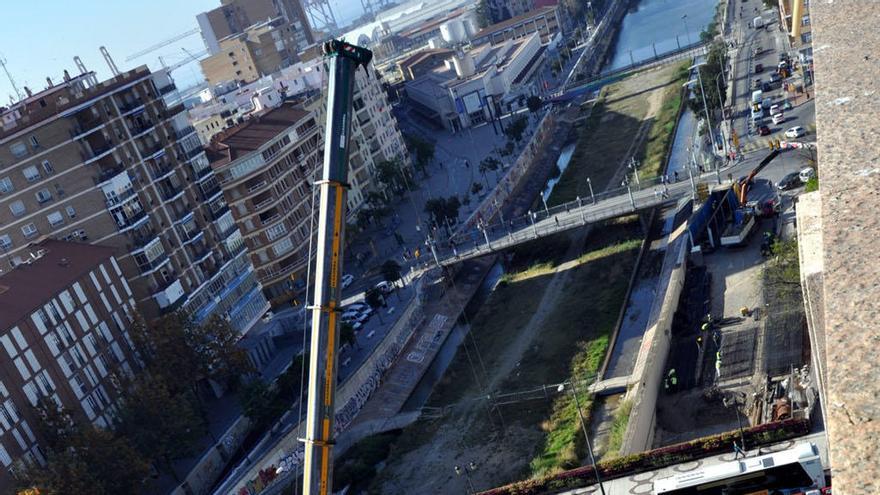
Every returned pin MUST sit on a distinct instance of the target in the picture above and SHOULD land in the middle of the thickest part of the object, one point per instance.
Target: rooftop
(253, 133)
(60, 264)
(513, 21)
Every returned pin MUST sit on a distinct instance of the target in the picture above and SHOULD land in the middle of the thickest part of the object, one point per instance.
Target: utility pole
(344, 60)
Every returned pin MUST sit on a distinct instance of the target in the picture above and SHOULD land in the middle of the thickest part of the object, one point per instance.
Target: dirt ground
(526, 351)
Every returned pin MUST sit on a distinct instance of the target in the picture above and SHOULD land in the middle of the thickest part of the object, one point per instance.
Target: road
(771, 42)
(621, 201)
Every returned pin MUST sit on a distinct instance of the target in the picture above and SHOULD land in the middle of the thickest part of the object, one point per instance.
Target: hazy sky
(39, 38)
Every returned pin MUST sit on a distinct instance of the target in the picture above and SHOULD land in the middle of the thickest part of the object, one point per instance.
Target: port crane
(343, 60)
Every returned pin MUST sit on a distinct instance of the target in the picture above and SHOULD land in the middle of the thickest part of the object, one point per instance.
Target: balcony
(176, 109)
(97, 153)
(108, 173)
(132, 221)
(168, 294)
(182, 133)
(228, 232)
(200, 174)
(161, 171)
(210, 193)
(193, 238)
(182, 216)
(139, 130)
(170, 191)
(186, 156)
(128, 106)
(215, 215)
(80, 129)
(151, 151)
(120, 198)
(270, 219)
(142, 238)
(152, 266)
(231, 254)
(264, 203)
(201, 255)
(258, 186)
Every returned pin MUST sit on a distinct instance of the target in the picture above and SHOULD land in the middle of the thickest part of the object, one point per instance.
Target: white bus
(798, 468)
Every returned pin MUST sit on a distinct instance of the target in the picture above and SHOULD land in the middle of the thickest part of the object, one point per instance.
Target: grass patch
(812, 185)
(607, 136)
(618, 429)
(662, 131)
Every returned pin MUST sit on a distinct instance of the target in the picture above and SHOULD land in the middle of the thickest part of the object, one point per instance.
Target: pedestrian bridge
(503, 233)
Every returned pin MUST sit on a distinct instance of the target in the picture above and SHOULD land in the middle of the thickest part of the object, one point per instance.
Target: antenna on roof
(9, 76)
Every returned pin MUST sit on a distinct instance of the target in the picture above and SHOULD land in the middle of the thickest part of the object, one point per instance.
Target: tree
(443, 209)
(489, 164)
(346, 334)
(81, 458)
(391, 271)
(515, 129)
(423, 150)
(390, 173)
(534, 103)
(160, 425)
(709, 73)
(260, 403)
(376, 301)
(476, 187)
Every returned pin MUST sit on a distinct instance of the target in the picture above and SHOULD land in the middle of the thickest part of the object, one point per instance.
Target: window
(55, 218)
(43, 195)
(5, 241)
(47, 167)
(6, 185)
(18, 149)
(805, 20)
(29, 230)
(70, 211)
(807, 38)
(17, 208)
(31, 173)
(34, 142)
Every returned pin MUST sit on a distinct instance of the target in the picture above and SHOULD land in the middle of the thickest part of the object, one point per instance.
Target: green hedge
(658, 458)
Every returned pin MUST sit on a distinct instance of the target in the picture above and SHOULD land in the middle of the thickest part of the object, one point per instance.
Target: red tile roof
(248, 136)
(27, 287)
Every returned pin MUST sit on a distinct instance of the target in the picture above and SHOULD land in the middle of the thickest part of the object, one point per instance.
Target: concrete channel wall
(651, 361)
(350, 397)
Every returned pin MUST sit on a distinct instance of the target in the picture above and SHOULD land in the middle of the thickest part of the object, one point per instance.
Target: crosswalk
(756, 143)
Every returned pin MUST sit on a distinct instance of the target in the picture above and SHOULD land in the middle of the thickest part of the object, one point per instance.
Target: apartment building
(64, 318)
(117, 164)
(266, 167)
(376, 135)
(545, 21)
(260, 50)
(235, 16)
(795, 20)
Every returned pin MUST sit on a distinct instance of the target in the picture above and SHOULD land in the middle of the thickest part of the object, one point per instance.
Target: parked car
(357, 306)
(764, 130)
(766, 86)
(757, 83)
(759, 68)
(795, 132)
(385, 286)
(806, 174)
(778, 118)
(347, 279)
(350, 313)
(774, 109)
(790, 181)
(775, 78)
(267, 316)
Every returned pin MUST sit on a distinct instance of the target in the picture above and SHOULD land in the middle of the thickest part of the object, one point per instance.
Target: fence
(352, 396)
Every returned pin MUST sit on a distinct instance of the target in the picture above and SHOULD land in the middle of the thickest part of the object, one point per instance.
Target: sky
(40, 42)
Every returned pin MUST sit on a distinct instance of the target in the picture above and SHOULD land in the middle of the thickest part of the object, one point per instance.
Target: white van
(758, 23)
(757, 96)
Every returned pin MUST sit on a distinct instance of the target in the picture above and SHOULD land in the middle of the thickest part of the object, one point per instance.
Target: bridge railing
(543, 222)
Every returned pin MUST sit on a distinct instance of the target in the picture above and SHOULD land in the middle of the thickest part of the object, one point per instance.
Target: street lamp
(577, 403)
(721, 106)
(732, 402)
(634, 166)
(705, 106)
(466, 471)
(687, 32)
(625, 184)
(590, 185)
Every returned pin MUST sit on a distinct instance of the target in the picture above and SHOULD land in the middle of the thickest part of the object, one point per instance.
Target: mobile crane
(343, 60)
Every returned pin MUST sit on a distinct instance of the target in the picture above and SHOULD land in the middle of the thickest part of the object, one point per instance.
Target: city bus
(786, 472)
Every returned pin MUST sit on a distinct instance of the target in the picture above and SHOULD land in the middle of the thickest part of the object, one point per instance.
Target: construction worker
(718, 365)
(745, 311)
